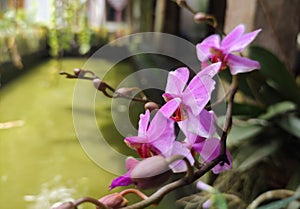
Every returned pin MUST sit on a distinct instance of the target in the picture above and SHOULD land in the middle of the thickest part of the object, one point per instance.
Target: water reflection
(52, 194)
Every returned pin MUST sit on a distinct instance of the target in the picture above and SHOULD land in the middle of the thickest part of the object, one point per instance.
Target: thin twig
(184, 4)
(219, 101)
(137, 99)
(134, 191)
(228, 121)
(89, 200)
(160, 193)
(105, 87)
(68, 75)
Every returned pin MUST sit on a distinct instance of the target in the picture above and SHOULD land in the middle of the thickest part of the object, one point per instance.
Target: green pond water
(41, 158)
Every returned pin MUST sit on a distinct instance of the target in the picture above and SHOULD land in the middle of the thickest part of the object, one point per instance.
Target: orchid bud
(151, 106)
(113, 201)
(151, 172)
(77, 71)
(200, 17)
(128, 92)
(100, 85)
(149, 167)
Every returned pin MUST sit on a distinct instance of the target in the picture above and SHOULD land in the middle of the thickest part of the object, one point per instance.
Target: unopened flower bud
(128, 92)
(149, 167)
(151, 172)
(151, 106)
(113, 201)
(77, 71)
(200, 17)
(100, 85)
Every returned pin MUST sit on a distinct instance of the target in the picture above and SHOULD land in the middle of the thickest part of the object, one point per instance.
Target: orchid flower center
(179, 114)
(146, 150)
(218, 56)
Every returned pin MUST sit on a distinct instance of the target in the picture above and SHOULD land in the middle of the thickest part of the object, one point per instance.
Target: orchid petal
(164, 138)
(167, 96)
(197, 94)
(161, 128)
(231, 38)
(131, 163)
(190, 137)
(205, 64)
(211, 150)
(143, 123)
(199, 146)
(204, 48)
(244, 40)
(177, 80)
(123, 180)
(210, 70)
(241, 64)
(135, 141)
(158, 126)
(169, 108)
(179, 149)
(203, 124)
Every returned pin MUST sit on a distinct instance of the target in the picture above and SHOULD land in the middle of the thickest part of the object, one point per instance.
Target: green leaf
(261, 91)
(280, 203)
(276, 74)
(246, 110)
(291, 124)
(240, 133)
(258, 155)
(242, 78)
(220, 201)
(278, 109)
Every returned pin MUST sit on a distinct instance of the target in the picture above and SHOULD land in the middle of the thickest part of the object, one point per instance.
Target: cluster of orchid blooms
(186, 104)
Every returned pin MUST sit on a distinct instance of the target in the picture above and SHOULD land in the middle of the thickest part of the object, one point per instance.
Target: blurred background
(41, 160)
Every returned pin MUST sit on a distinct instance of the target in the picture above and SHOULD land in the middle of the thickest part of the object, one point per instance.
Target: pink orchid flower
(125, 179)
(193, 97)
(147, 173)
(207, 148)
(158, 137)
(212, 50)
(152, 179)
(155, 137)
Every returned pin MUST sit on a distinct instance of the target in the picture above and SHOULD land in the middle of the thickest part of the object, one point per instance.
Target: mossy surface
(40, 154)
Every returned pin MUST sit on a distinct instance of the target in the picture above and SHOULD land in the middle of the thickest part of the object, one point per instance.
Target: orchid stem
(68, 75)
(184, 4)
(144, 99)
(89, 200)
(228, 121)
(219, 101)
(160, 193)
(134, 191)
